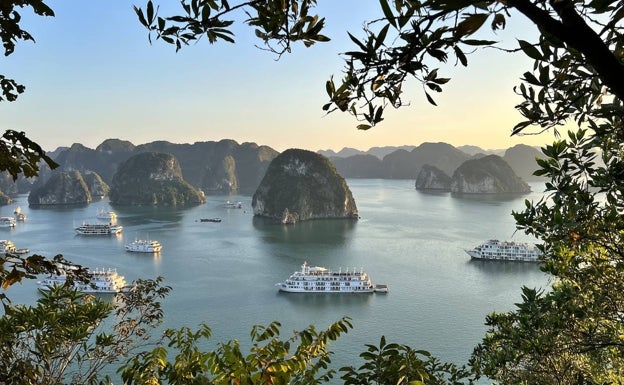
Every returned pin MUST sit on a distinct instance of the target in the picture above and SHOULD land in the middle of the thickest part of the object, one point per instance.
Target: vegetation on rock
(487, 175)
(152, 179)
(304, 185)
(432, 178)
(64, 188)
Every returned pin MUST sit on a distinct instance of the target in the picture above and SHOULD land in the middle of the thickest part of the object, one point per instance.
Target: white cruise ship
(233, 205)
(104, 215)
(99, 229)
(102, 281)
(505, 251)
(7, 222)
(144, 246)
(316, 279)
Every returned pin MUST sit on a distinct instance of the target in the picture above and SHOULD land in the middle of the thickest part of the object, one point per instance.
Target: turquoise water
(224, 273)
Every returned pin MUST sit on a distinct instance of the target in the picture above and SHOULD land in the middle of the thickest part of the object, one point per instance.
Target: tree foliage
(68, 337)
(397, 364)
(302, 359)
(14, 268)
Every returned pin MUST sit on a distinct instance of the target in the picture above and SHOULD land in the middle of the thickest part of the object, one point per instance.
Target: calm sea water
(224, 273)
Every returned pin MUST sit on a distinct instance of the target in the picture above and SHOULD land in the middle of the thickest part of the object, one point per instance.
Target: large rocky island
(301, 185)
(487, 175)
(152, 178)
(69, 188)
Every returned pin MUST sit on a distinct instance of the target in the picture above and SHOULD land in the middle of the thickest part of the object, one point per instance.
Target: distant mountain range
(405, 162)
(381, 152)
(227, 166)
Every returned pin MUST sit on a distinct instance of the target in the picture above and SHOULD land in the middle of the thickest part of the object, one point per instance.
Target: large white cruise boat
(102, 281)
(144, 246)
(98, 229)
(505, 251)
(316, 279)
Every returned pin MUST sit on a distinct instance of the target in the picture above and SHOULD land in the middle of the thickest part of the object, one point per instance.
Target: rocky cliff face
(301, 185)
(522, 159)
(97, 187)
(487, 175)
(432, 178)
(359, 166)
(223, 166)
(63, 188)
(403, 164)
(152, 179)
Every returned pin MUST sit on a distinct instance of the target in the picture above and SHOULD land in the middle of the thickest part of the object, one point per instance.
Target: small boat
(107, 215)
(233, 205)
(21, 251)
(7, 246)
(495, 250)
(144, 246)
(19, 215)
(99, 229)
(381, 288)
(316, 279)
(102, 281)
(210, 219)
(8, 222)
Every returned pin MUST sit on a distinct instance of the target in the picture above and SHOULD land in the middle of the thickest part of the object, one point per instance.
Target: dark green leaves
(391, 363)
(470, 24)
(530, 50)
(277, 23)
(302, 358)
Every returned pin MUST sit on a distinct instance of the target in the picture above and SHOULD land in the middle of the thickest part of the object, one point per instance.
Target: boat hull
(285, 288)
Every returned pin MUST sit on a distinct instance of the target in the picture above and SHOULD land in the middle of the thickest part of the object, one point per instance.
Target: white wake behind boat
(316, 279)
(495, 250)
(102, 281)
(144, 246)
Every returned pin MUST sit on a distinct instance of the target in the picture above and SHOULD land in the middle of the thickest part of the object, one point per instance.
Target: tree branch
(575, 32)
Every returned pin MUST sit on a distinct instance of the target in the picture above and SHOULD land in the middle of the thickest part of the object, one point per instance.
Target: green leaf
(478, 42)
(430, 99)
(530, 50)
(498, 22)
(150, 12)
(385, 7)
(381, 36)
(356, 41)
(470, 24)
(460, 56)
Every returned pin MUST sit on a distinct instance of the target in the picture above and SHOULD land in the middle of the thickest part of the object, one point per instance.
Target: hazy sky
(92, 75)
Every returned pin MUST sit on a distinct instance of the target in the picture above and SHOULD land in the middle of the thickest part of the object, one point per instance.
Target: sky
(92, 75)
